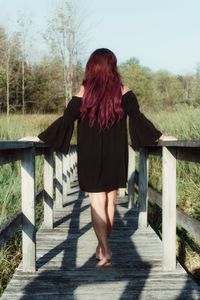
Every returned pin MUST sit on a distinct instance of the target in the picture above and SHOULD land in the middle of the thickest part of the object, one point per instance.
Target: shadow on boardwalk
(126, 279)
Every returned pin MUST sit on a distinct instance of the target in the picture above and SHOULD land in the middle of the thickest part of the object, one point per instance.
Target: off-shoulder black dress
(102, 156)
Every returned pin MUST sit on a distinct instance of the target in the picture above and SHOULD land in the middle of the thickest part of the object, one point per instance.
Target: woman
(101, 107)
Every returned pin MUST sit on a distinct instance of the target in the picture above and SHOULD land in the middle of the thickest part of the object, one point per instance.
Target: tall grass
(184, 123)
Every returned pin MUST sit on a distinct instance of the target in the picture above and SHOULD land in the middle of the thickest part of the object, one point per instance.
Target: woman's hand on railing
(30, 139)
(167, 138)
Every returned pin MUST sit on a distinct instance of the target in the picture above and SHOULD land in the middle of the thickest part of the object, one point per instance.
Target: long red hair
(102, 89)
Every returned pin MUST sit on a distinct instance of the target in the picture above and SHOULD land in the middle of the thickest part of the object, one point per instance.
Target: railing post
(121, 192)
(65, 178)
(68, 171)
(76, 157)
(169, 208)
(28, 210)
(72, 162)
(143, 188)
(131, 177)
(48, 190)
(59, 181)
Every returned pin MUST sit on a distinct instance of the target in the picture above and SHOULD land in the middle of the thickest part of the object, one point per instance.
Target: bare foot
(99, 254)
(104, 262)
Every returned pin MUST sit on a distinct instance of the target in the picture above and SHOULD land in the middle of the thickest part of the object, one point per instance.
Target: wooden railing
(170, 152)
(64, 166)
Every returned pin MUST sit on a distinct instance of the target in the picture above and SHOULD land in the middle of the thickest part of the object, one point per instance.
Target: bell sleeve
(142, 130)
(59, 133)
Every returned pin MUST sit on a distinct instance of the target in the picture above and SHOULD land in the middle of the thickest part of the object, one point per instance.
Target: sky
(160, 34)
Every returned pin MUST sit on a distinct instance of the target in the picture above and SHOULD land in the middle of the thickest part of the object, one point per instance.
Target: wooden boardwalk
(66, 264)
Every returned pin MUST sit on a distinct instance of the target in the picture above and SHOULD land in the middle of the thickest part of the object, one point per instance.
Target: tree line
(161, 89)
(47, 85)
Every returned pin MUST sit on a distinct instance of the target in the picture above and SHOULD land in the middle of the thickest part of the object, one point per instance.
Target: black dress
(102, 157)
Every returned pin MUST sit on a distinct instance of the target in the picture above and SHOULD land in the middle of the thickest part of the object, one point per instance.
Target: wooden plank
(15, 145)
(48, 190)
(169, 208)
(131, 176)
(191, 154)
(28, 210)
(8, 156)
(64, 180)
(191, 225)
(143, 186)
(58, 180)
(188, 223)
(66, 262)
(180, 143)
(8, 229)
(19, 145)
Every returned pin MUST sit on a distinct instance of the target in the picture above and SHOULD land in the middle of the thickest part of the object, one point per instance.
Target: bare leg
(99, 222)
(110, 213)
(110, 209)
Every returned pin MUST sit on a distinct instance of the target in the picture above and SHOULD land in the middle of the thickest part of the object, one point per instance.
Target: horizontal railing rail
(64, 166)
(170, 152)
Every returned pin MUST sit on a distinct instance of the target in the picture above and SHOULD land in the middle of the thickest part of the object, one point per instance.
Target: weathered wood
(8, 228)
(14, 145)
(188, 223)
(169, 208)
(121, 192)
(8, 156)
(71, 163)
(67, 265)
(191, 154)
(155, 151)
(191, 225)
(48, 190)
(58, 180)
(179, 143)
(68, 172)
(28, 210)
(143, 187)
(131, 176)
(64, 177)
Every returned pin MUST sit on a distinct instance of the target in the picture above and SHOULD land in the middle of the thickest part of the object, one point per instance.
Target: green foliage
(139, 79)
(160, 89)
(168, 89)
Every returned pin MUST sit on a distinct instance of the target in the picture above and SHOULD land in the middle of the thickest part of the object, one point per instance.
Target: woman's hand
(30, 139)
(167, 138)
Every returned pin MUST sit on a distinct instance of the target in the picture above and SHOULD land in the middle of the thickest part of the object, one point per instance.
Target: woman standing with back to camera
(101, 107)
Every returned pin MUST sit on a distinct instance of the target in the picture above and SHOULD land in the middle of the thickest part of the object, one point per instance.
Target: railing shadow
(127, 276)
(63, 282)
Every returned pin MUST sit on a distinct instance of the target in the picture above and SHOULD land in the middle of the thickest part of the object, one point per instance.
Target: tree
(168, 88)
(63, 37)
(139, 79)
(24, 25)
(196, 84)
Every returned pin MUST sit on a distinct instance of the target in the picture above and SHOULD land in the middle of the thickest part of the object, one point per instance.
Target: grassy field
(183, 122)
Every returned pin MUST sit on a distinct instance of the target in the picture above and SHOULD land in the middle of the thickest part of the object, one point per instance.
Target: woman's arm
(30, 139)
(167, 138)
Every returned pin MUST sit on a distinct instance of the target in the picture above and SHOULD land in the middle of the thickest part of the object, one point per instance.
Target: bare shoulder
(125, 89)
(80, 91)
